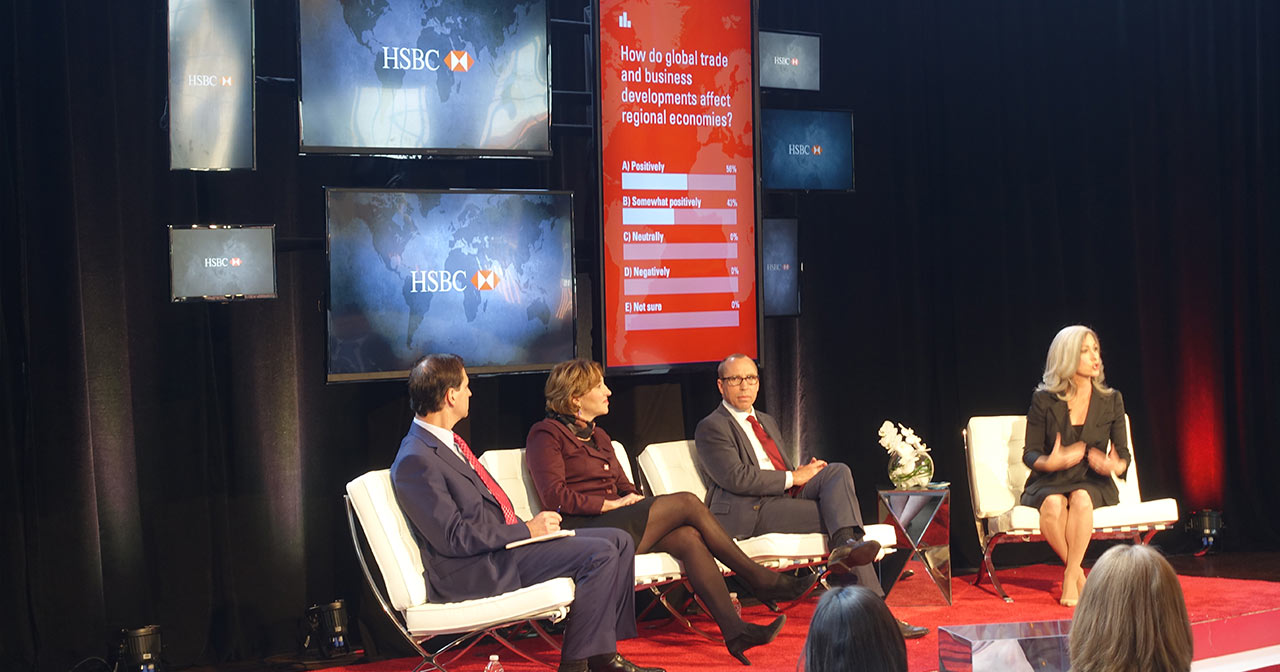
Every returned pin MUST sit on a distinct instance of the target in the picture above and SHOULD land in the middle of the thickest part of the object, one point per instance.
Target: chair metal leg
(990, 568)
(680, 618)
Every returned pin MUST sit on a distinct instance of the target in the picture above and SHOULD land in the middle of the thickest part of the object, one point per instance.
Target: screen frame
(601, 307)
(853, 156)
(253, 94)
(473, 371)
(799, 267)
(419, 152)
(801, 33)
(226, 298)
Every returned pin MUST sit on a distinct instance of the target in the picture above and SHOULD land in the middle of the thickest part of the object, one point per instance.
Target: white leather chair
(372, 507)
(672, 467)
(997, 474)
(654, 571)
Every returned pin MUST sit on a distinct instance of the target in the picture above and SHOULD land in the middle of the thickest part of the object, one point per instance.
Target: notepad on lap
(544, 537)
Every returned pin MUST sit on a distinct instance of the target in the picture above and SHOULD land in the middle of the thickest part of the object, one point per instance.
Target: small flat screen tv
(211, 78)
(487, 275)
(806, 149)
(780, 249)
(790, 60)
(222, 263)
(406, 77)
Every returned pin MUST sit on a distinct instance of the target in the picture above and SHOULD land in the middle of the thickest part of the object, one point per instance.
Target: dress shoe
(846, 556)
(614, 662)
(911, 631)
(787, 588)
(579, 665)
(754, 635)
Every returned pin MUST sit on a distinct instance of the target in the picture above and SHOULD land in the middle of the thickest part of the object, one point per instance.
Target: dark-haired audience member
(852, 629)
(1076, 441)
(575, 471)
(1132, 616)
(463, 521)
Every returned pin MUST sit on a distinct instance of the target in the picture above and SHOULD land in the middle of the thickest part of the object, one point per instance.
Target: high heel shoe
(753, 635)
(786, 589)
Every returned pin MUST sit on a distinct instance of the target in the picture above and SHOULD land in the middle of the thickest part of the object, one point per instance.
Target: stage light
(1207, 523)
(140, 650)
(327, 629)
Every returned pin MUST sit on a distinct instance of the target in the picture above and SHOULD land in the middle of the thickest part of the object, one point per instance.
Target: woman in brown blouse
(576, 473)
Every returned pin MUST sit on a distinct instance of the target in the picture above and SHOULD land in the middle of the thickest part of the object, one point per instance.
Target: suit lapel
(452, 460)
(744, 443)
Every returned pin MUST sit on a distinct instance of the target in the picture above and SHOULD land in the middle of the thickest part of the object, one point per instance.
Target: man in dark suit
(463, 522)
(755, 489)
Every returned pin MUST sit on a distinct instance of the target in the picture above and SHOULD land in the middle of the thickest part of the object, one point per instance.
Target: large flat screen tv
(487, 275)
(677, 183)
(409, 77)
(790, 60)
(780, 248)
(222, 263)
(806, 149)
(211, 85)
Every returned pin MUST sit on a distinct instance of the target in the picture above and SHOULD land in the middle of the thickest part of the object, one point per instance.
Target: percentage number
(735, 305)
(733, 202)
(733, 270)
(730, 168)
(733, 236)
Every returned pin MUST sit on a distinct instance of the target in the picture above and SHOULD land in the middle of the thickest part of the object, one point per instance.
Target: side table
(920, 575)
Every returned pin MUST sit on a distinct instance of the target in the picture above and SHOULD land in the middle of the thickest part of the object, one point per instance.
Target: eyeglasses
(734, 381)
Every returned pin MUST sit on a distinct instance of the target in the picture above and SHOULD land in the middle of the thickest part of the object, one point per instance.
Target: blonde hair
(1063, 360)
(1131, 616)
(570, 379)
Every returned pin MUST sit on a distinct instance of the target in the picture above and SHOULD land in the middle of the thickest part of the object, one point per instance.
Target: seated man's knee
(839, 470)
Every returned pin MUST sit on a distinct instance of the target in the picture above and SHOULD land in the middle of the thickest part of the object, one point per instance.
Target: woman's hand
(1063, 457)
(627, 500)
(1106, 464)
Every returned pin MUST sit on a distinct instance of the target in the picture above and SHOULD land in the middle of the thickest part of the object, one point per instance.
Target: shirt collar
(740, 416)
(445, 435)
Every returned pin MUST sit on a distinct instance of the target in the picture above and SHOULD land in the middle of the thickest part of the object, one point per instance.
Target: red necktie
(770, 449)
(508, 511)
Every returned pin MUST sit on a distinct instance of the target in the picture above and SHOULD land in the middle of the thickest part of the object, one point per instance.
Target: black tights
(681, 525)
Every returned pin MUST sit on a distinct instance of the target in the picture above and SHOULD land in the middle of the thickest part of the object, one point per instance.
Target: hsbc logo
(786, 60)
(485, 280)
(804, 150)
(459, 61)
(433, 282)
(412, 58)
(222, 262)
(210, 80)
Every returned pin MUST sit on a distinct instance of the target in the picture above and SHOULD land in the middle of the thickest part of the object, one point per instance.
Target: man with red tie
(463, 521)
(755, 489)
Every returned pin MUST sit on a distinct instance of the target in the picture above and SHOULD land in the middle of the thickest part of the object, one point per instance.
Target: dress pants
(825, 504)
(601, 562)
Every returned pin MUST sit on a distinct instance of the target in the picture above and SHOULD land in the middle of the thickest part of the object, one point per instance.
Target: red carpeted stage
(1228, 616)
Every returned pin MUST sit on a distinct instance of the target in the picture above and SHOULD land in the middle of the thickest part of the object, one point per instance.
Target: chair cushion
(1127, 515)
(508, 469)
(395, 551)
(542, 600)
(655, 568)
(671, 467)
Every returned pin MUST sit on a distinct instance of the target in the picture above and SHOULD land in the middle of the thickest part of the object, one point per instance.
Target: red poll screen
(678, 181)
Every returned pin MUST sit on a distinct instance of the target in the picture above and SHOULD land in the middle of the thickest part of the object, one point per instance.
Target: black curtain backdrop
(1020, 167)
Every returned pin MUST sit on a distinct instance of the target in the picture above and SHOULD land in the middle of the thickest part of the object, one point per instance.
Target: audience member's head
(852, 629)
(1131, 615)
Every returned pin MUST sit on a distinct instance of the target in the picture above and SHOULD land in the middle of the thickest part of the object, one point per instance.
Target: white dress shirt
(445, 436)
(762, 458)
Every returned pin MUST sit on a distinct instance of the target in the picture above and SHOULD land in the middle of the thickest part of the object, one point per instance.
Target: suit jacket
(1104, 422)
(458, 523)
(727, 462)
(573, 477)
